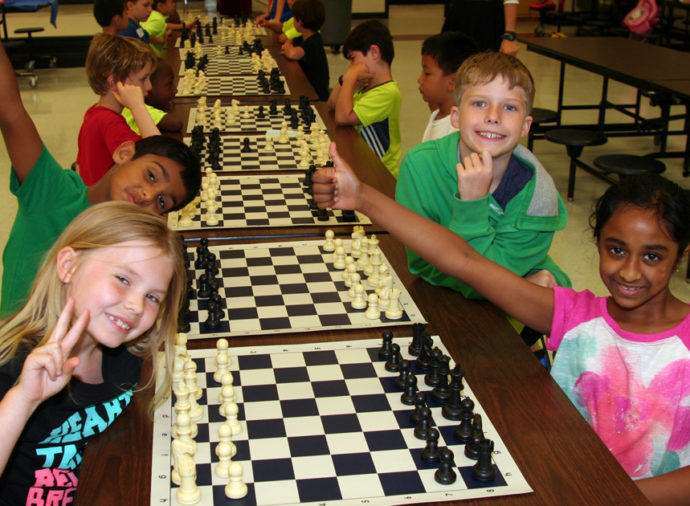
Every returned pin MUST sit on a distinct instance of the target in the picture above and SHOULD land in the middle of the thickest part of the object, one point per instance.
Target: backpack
(642, 18)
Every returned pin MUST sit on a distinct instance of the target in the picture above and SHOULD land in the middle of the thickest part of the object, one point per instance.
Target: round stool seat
(30, 30)
(629, 165)
(540, 115)
(575, 137)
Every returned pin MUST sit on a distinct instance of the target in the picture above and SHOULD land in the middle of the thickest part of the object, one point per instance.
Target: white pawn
(350, 269)
(373, 312)
(227, 397)
(181, 344)
(356, 247)
(231, 411)
(394, 311)
(225, 436)
(363, 259)
(235, 489)
(339, 258)
(222, 360)
(195, 409)
(211, 218)
(359, 302)
(354, 281)
(224, 454)
(178, 372)
(329, 245)
(191, 379)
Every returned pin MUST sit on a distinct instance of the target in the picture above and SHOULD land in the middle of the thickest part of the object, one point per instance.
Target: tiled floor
(62, 96)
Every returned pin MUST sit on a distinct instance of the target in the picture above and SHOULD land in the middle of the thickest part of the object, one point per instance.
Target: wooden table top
(560, 456)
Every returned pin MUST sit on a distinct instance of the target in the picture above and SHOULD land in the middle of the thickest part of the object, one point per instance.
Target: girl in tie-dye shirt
(623, 360)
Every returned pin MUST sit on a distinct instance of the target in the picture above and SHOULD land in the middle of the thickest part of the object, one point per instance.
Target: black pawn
(227, 49)
(452, 408)
(393, 362)
(214, 316)
(484, 470)
(203, 288)
(386, 348)
(405, 367)
(419, 404)
(472, 446)
(183, 320)
(431, 452)
(349, 216)
(408, 397)
(424, 424)
(445, 474)
(463, 432)
(260, 112)
(433, 377)
(417, 339)
(441, 391)
(322, 215)
(246, 148)
(423, 361)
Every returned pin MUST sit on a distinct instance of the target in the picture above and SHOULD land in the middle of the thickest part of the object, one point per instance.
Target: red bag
(642, 18)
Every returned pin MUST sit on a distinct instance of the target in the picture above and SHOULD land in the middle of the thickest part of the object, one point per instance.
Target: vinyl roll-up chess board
(251, 118)
(233, 85)
(281, 287)
(324, 424)
(261, 202)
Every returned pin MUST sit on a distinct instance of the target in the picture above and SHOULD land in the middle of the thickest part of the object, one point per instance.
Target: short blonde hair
(117, 56)
(103, 225)
(484, 67)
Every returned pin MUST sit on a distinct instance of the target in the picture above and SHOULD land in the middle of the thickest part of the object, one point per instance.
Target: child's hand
(336, 187)
(47, 369)
(285, 48)
(360, 73)
(128, 94)
(260, 19)
(475, 174)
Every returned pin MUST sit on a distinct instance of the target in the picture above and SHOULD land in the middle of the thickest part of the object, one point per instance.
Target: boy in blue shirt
(137, 11)
(366, 96)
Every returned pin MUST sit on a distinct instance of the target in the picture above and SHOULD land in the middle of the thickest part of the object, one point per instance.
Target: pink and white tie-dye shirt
(633, 389)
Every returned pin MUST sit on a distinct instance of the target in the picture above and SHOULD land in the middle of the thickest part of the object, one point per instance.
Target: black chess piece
(260, 114)
(210, 266)
(322, 214)
(203, 290)
(214, 316)
(348, 215)
(217, 299)
(287, 108)
(405, 367)
(183, 319)
(445, 474)
(424, 424)
(273, 108)
(431, 452)
(423, 360)
(463, 432)
(385, 350)
(472, 446)
(419, 403)
(432, 377)
(441, 391)
(246, 148)
(484, 470)
(393, 362)
(415, 347)
(409, 395)
(452, 407)
(227, 49)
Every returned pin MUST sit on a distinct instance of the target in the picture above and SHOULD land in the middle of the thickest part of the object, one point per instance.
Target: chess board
(226, 66)
(248, 120)
(215, 50)
(323, 423)
(233, 85)
(283, 156)
(264, 201)
(281, 287)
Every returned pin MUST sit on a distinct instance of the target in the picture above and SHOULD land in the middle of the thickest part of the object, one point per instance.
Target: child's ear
(526, 125)
(455, 117)
(66, 263)
(374, 51)
(124, 152)
(112, 82)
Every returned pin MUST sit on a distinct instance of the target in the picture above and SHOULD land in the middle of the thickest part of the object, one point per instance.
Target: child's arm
(510, 12)
(46, 371)
(170, 123)
(21, 137)
(132, 97)
(667, 489)
(291, 52)
(338, 187)
(356, 76)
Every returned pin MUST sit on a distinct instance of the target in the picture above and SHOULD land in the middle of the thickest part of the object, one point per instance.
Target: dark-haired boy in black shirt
(309, 16)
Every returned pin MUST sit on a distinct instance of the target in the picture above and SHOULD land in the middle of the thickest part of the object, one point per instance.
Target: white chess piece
(373, 312)
(224, 454)
(222, 360)
(227, 397)
(329, 245)
(188, 491)
(339, 258)
(359, 302)
(231, 412)
(350, 269)
(394, 311)
(178, 448)
(225, 436)
(236, 488)
(354, 281)
(191, 382)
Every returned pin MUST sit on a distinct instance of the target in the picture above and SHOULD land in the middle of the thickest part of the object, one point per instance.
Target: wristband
(511, 36)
